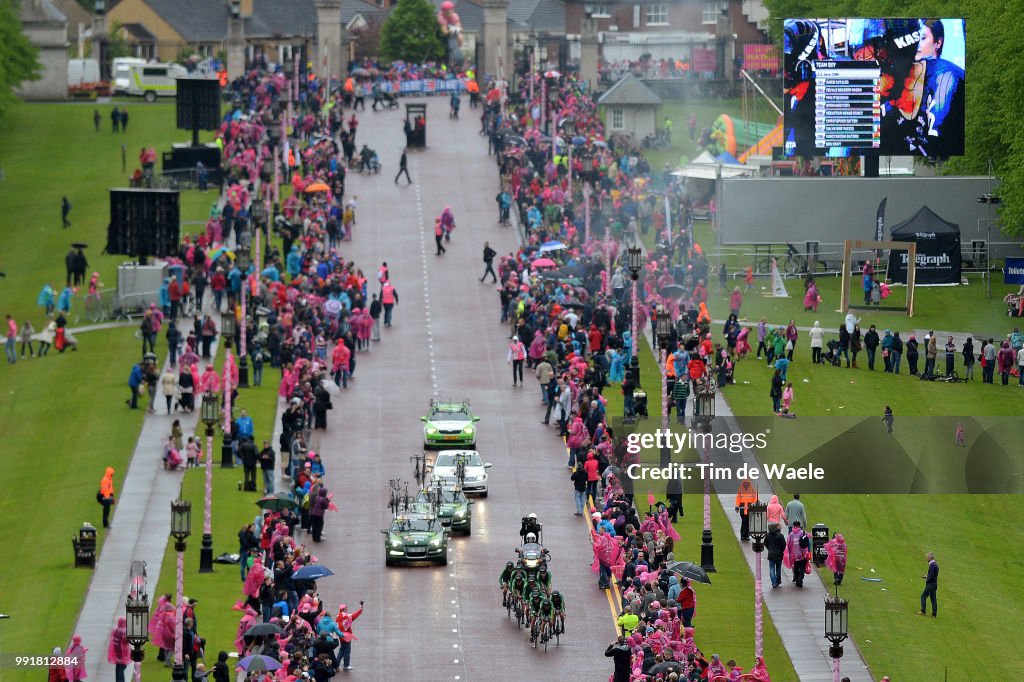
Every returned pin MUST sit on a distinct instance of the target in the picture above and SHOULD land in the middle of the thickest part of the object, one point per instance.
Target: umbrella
(673, 291)
(551, 74)
(600, 143)
(312, 572)
(317, 187)
(543, 263)
(332, 306)
(516, 140)
(551, 246)
(251, 663)
(79, 245)
(666, 667)
(690, 571)
(359, 72)
(277, 501)
(579, 139)
(263, 629)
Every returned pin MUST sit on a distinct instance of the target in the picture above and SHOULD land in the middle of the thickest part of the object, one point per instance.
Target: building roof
(350, 9)
(630, 90)
(139, 33)
(272, 18)
(537, 15)
(41, 11)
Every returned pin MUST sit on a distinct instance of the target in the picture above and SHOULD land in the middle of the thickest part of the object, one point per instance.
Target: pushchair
(831, 354)
(390, 100)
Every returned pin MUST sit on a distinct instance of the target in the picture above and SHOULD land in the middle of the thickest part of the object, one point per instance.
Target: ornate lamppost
(210, 413)
(704, 407)
(757, 519)
(181, 528)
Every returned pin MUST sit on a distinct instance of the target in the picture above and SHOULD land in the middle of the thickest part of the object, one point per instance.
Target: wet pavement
(432, 622)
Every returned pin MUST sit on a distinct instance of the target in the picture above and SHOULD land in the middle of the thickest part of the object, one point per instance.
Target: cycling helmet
(543, 569)
(509, 564)
(556, 594)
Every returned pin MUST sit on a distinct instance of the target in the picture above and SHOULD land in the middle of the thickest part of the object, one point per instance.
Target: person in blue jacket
(134, 381)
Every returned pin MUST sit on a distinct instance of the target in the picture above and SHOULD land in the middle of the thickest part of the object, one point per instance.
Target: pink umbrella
(543, 263)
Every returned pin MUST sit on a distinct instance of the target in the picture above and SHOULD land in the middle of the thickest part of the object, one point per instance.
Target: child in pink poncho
(76, 652)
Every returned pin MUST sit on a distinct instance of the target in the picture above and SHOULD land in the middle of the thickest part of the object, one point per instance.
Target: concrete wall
(639, 121)
(830, 210)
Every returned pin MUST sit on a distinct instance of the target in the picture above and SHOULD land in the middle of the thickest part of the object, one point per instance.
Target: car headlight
(482, 477)
(436, 542)
(468, 430)
(460, 514)
(431, 430)
(396, 543)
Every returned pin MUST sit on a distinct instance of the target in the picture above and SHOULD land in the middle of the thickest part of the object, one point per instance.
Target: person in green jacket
(628, 621)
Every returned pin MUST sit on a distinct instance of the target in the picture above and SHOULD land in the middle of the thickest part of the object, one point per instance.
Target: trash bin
(85, 546)
(819, 538)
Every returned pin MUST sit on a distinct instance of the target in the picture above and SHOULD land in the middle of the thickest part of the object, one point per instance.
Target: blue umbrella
(579, 139)
(312, 572)
(251, 663)
(551, 246)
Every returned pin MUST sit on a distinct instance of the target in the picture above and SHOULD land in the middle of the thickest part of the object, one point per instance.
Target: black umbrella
(673, 291)
(79, 245)
(666, 668)
(515, 140)
(263, 629)
(277, 501)
(690, 571)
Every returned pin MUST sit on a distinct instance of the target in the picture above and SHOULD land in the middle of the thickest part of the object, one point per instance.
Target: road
(430, 622)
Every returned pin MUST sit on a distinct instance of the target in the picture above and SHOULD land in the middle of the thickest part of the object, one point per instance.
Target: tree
(994, 75)
(411, 33)
(18, 57)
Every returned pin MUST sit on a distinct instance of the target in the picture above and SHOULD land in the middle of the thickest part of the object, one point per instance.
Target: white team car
(474, 471)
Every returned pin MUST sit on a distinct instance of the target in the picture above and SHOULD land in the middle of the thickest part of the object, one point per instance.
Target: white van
(121, 72)
(155, 80)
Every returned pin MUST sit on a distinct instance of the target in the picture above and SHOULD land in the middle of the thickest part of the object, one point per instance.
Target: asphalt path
(431, 622)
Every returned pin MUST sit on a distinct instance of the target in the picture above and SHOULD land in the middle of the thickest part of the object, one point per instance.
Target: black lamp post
(704, 415)
(757, 521)
(227, 456)
(836, 629)
(243, 261)
(210, 414)
(136, 611)
(636, 256)
(663, 327)
(181, 528)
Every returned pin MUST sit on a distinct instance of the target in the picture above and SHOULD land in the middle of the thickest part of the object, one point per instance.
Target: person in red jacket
(593, 475)
(596, 339)
(340, 364)
(344, 621)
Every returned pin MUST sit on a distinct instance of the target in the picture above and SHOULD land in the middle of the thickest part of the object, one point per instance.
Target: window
(657, 15)
(597, 11)
(712, 9)
(155, 72)
(636, 16)
(618, 119)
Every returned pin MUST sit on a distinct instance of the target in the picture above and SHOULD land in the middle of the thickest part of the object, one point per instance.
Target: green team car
(452, 507)
(449, 424)
(414, 538)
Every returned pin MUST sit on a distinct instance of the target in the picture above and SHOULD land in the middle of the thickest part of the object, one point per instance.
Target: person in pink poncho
(76, 653)
(759, 673)
(606, 555)
(161, 627)
(835, 557)
(118, 651)
(249, 618)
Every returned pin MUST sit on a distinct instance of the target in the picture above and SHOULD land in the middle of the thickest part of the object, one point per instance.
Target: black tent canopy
(938, 249)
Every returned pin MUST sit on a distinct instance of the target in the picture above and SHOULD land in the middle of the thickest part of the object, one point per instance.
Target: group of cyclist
(526, 587)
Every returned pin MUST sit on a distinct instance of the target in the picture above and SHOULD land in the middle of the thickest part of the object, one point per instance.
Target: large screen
(879, 87)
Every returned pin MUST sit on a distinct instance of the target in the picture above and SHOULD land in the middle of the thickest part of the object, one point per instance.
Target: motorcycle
(531, 557)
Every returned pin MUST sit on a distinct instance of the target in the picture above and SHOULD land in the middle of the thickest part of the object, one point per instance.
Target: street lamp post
(181, 528)
(836, 629)
(663, 324)
(244, 262)
(586, 215)
(635, 263)
(136, 611)
(757, 518)
(227, 329)
(210, 413)
(704, 414)
(260, 211)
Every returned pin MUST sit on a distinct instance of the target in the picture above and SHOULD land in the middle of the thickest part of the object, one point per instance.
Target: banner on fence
(1013, 273)
(427, 86)
(760, 58)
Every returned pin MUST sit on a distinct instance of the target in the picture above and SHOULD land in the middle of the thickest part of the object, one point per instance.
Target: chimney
(246, 8)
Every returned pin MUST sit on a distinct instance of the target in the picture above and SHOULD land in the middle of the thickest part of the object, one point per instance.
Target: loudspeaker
(198, 101)
(144, 222)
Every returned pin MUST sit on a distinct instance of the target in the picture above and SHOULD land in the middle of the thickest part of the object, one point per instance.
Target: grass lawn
(725, 611)
(57, 446)
(888, 535)
(66, 407)
(50, 151)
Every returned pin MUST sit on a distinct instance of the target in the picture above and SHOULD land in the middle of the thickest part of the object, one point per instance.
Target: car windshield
(449, 414)
(446, 459)
(415, 525)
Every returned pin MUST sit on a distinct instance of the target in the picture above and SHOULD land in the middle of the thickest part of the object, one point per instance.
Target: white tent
(706, 167)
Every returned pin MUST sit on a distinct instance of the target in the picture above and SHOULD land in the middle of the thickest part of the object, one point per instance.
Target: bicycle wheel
(763, 266)
(794, 265)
